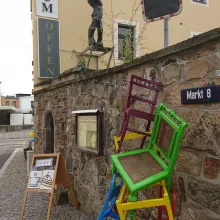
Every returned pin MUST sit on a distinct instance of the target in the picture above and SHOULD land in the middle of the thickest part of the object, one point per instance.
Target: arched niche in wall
(49, 133)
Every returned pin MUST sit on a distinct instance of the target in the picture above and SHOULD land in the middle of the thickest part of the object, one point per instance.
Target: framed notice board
(89, 131)
(47, 170)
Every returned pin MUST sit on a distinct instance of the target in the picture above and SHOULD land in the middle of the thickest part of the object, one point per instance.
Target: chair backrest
(152, 87)
(167, 134)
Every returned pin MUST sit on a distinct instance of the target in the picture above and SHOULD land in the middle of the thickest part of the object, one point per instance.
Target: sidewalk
(12, 189)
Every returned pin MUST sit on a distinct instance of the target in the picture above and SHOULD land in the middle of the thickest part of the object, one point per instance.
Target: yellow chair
(128, 136)
(123, 204)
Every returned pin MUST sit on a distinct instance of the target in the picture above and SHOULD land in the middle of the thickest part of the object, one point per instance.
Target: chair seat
(140, 166)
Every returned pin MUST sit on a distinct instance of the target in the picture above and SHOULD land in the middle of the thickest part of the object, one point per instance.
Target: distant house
(16, 110)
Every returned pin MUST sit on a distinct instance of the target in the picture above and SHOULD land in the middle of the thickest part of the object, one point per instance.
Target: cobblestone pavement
(12, 189)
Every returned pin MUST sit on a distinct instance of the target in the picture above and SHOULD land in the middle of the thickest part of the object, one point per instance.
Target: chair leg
(132, 198)
(124, 129)
(121, 213)
(160, 209)
(168, 205)
(142, 142)
(125, 115)
(169, 211)
(169, 186)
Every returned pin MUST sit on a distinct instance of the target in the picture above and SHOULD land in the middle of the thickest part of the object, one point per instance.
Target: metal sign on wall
(207, 94)
(47, 8)
(154, 10)
(48, 48)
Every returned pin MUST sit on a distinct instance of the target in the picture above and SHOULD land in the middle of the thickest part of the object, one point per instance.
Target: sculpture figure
(96, 23)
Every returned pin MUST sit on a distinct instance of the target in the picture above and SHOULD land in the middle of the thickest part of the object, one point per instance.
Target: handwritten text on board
(45, 162)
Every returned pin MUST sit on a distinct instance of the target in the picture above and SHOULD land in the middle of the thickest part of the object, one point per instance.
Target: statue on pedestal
(96, 23)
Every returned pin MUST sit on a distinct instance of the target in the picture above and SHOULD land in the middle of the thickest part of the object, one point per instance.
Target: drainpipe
(166, 32)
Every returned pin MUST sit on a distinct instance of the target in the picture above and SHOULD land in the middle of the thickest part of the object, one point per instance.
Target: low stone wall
(190, 64)
(11, 128)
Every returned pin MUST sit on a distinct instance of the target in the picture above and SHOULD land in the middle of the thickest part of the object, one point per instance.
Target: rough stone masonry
(189, 64)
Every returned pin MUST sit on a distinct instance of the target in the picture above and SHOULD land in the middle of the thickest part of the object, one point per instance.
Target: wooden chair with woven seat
(153, 89)
(124, 205)
(140, 169)
(162, 210)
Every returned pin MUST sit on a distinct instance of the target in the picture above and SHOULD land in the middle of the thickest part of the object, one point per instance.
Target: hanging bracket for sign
(154, 10)
(208, 94)
(47, 170)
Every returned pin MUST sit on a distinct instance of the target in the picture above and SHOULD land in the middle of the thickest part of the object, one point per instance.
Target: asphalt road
(7, 147)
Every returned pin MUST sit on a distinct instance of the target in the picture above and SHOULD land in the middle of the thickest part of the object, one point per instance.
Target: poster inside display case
(88, 123)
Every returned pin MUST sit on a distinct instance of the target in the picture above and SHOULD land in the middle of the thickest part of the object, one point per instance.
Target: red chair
(153, 89)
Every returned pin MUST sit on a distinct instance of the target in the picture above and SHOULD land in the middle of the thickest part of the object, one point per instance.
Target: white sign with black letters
(47, 8)
(208, 94)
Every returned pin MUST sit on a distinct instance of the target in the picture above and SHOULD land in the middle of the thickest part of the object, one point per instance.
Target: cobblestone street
(12, 189)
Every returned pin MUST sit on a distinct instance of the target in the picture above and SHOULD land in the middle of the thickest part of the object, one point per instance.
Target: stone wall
(193, 63)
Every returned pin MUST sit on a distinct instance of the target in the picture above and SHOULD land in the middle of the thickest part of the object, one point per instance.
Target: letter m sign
(47, 8)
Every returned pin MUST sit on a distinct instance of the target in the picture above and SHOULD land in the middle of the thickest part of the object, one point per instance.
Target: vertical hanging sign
(47, 8)
(48, 48)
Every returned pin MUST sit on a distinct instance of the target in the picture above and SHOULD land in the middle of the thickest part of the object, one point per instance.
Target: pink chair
(153, 89)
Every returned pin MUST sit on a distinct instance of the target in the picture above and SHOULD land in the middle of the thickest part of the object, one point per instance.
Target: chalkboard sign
(47, 170)
(209, 94)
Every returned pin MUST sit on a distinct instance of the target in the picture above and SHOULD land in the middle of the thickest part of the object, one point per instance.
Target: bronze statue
(96, 23)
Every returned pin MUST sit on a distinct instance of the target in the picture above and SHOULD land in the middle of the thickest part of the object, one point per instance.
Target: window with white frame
(193, 33)
(126, 36)
(201, 2)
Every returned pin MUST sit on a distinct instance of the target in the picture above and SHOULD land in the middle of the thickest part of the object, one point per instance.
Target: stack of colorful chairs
(143, 168)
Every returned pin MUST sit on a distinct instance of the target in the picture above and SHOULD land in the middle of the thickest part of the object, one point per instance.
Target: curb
(3, 169)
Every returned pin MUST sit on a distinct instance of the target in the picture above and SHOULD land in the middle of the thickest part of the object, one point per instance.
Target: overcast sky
(15, 47)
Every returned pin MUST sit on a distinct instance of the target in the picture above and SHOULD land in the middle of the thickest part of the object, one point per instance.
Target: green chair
(141, 169)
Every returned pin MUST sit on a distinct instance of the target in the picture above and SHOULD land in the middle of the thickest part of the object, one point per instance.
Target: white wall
(28, 119)
(25, 103)
(16, 119)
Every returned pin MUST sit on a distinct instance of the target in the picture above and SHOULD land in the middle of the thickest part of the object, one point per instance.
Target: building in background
(16, 110)
(121, 19)
(26, 104)
(10, 101)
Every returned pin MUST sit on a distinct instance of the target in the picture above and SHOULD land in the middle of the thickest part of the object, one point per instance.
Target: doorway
(49, 133)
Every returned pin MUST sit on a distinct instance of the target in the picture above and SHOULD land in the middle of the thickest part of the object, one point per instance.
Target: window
(32, 104)
(14, 103)
(193, 33)
(201, 2)
(126, 43)
(7, 103)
